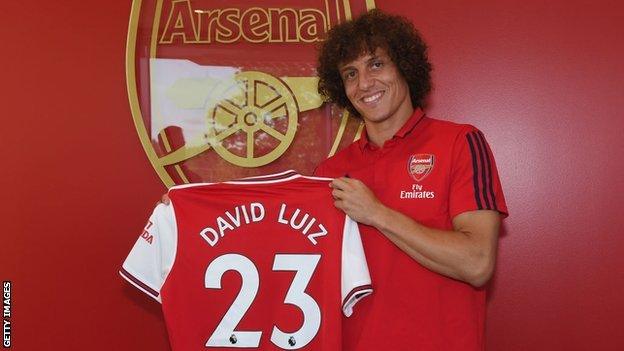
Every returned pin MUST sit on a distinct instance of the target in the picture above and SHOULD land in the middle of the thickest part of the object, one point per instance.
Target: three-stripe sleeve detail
(482, 171)
(475, 172)
(484, 176)
(489, 168)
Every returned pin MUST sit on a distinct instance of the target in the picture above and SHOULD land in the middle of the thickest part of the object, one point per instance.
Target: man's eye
(377, 64)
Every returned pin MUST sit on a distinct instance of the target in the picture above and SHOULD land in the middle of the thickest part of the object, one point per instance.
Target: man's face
(376, 88)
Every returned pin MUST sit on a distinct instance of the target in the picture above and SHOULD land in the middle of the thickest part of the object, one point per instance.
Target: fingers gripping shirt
(257, 263)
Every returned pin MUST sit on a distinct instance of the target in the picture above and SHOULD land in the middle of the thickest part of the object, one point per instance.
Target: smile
(372, 98)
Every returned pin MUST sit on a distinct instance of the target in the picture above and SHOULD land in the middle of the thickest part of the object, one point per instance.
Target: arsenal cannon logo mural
(227, 89)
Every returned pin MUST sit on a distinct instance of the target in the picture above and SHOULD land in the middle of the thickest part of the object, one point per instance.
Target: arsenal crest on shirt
(420, 165)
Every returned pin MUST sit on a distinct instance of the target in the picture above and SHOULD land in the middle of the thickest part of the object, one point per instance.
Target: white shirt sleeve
(356, 281)
(150, 260)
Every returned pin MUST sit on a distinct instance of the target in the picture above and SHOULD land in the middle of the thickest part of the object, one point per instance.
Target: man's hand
(164, 200)
(356, 200)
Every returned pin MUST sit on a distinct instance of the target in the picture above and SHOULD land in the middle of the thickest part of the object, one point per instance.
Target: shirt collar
(409, 125)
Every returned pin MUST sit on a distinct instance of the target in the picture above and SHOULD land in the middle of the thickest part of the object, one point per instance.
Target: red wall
(543, 79)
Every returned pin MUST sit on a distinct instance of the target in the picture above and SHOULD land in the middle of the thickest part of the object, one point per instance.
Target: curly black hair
(374, 29)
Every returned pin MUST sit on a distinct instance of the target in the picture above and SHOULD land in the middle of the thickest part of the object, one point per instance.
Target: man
(425, 192)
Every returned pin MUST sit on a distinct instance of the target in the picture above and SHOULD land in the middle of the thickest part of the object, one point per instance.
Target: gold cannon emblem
(244, 112)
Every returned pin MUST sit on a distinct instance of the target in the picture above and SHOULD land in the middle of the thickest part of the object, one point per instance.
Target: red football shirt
(431, 170)
(265, 263)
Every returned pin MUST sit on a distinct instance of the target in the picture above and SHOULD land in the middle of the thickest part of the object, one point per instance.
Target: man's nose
(365, 81)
